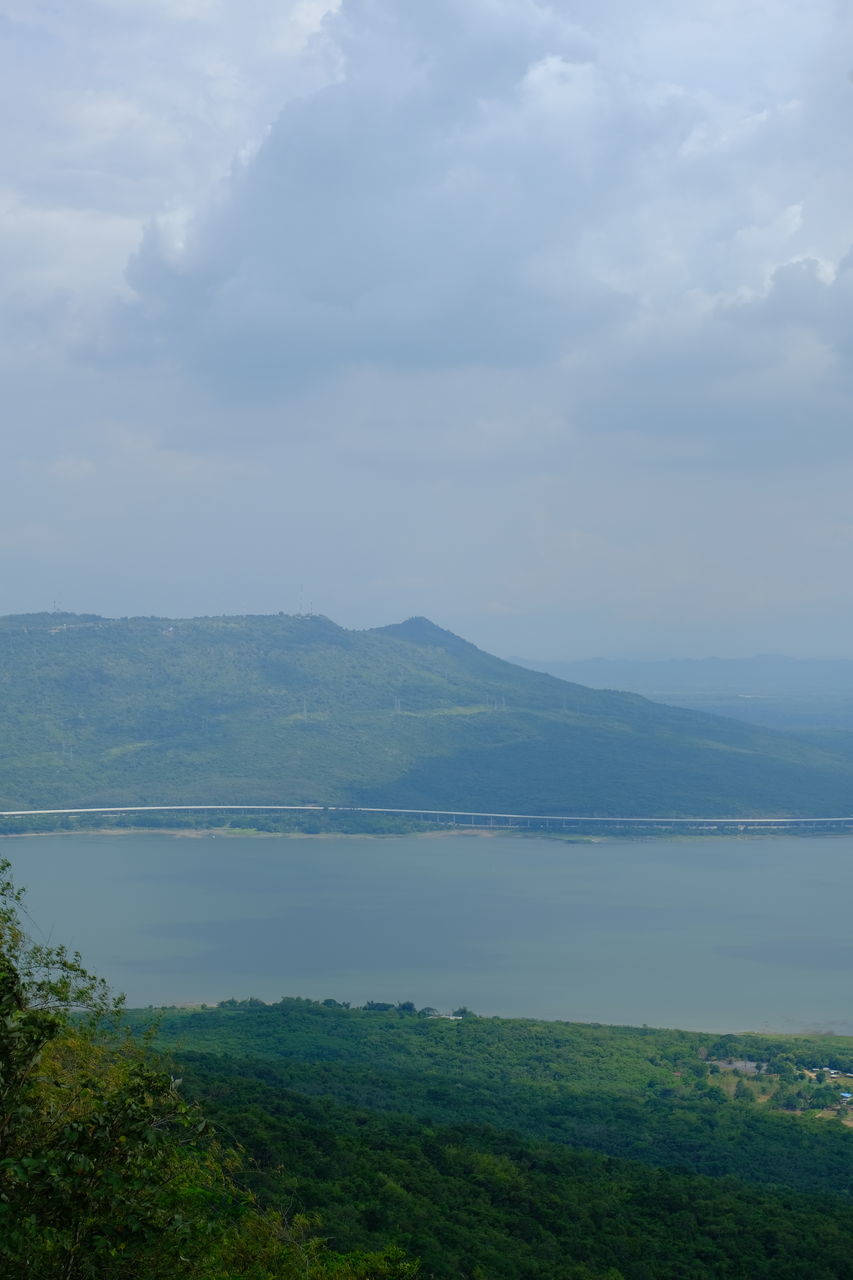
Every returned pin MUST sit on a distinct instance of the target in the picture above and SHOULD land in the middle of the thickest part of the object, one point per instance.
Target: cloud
(503, 310)
(402, 214)
(495, 185)
(135, 112)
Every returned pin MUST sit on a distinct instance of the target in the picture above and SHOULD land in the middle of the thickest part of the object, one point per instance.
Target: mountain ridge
(296, 709)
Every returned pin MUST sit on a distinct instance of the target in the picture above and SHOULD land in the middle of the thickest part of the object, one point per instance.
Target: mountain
(295, 709)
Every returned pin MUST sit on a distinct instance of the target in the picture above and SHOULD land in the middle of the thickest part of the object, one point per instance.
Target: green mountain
(297, 710)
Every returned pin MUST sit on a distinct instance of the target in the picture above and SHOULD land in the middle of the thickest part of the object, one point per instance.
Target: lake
(713, 934)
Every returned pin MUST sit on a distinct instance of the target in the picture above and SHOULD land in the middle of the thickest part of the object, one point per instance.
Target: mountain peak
(422, 632)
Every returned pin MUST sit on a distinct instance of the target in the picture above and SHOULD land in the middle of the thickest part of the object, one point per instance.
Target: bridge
(461, 818)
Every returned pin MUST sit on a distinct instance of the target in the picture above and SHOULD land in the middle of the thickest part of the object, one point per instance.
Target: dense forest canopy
(517, 1148)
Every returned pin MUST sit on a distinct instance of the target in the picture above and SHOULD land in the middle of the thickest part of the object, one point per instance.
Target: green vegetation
(343, 822)
(106, 1171)
(650, 1094)
(516, 1148)
(273, 710)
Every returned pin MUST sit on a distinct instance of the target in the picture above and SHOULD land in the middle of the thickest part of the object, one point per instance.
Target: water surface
(716, 934)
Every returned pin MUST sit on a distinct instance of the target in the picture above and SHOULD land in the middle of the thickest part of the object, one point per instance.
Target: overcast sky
(533, 318)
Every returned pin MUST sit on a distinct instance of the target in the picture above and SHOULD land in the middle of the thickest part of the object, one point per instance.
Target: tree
(106, 1172)
(104, 1169)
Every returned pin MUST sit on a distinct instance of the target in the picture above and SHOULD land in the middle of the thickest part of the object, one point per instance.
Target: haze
(532, 318)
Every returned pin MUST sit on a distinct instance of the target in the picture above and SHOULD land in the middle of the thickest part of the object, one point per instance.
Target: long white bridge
(460, 818)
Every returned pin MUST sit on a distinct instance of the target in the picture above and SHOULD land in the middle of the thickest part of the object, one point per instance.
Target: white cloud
(124, 112)
(493, 183)
(508, 309)
(79, 253)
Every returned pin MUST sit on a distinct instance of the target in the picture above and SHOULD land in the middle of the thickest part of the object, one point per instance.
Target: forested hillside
(514, 1148)
(298, 710)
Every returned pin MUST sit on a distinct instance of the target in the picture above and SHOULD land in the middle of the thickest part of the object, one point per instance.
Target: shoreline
(597, 868)
(522, 833)
(230, 833)
(196, 1006)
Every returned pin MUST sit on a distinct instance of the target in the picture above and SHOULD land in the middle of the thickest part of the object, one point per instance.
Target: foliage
(462, 1142)
(650, 1094)
(106, 1170)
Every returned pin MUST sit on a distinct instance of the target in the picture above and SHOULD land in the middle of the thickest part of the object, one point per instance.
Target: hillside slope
(527, 1150)
(298, 710)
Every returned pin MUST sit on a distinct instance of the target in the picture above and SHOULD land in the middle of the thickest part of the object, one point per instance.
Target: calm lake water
(721, 935)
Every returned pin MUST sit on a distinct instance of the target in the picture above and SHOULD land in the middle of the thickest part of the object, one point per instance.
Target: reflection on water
(721, 934)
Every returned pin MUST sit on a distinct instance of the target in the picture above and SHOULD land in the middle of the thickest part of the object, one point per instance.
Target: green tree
(106, 1172)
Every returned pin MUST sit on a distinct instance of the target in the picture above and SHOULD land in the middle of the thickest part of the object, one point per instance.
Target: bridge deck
(456, 817)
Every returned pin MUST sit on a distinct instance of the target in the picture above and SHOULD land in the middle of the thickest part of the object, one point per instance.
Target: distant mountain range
(294, 709)
(782, 693)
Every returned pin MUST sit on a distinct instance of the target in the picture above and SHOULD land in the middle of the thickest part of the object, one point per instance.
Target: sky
(533, 318)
